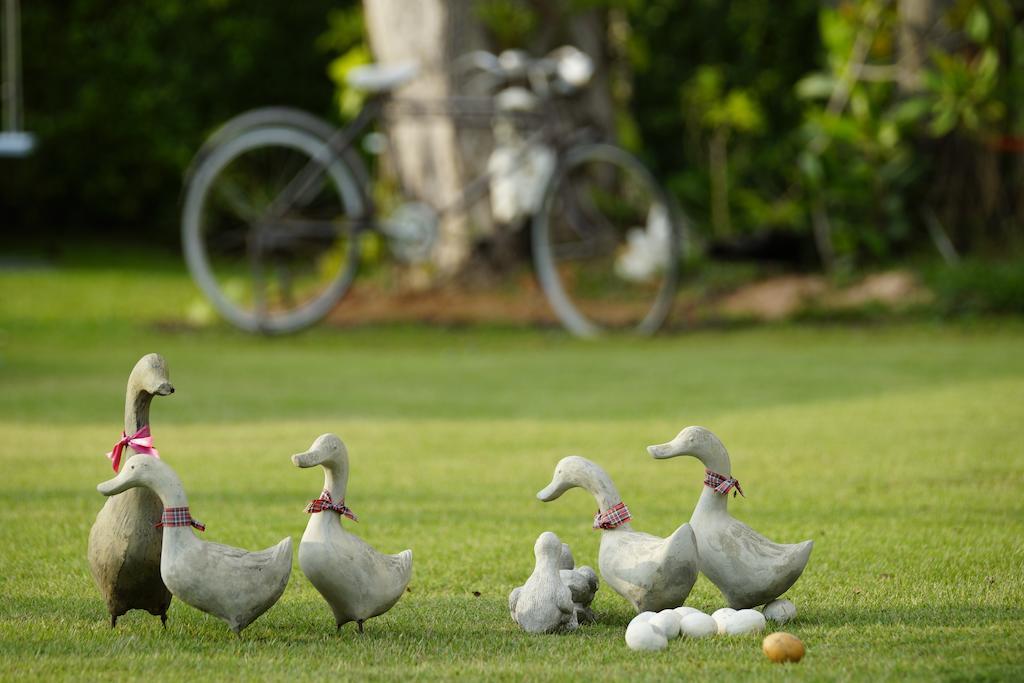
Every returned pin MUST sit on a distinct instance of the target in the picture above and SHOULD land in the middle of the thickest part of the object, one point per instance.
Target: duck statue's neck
(335, 478)
(714, 456)
(716, 459)
(136, 406)
(711, 502)
(167, 486)
(597, 482)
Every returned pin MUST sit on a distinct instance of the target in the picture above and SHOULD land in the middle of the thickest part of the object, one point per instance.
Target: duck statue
(747, 568)
(544, 604)
(124, 546)
(650, 572)
(356, 581)
(230, 583)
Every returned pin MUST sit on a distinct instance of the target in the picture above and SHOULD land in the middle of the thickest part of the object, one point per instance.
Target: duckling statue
(544, 604)
(124, 546)
(749, 569)
(651, 573)
(230, 583)
(582, 584)
(566, 560)
(356, 581)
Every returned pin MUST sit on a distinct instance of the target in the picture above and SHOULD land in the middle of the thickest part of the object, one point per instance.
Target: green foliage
(121, 95)
(346, 36)
(867, 161)
(976, 288)
(961, 92)
(509, 22)
(704, 69)
(735, 110)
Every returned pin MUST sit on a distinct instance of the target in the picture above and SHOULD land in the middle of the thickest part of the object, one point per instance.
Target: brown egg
(783, 647)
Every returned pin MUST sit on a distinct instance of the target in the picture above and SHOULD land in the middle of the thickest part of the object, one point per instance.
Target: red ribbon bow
(324, 502)
(722, 484)
(178, 517)
(615, 516)
(140, 442)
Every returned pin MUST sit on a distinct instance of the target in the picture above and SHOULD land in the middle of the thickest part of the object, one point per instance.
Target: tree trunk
(426, 149)
(918, 19)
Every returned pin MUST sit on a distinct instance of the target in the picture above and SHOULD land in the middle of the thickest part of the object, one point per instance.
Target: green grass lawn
(898, 449)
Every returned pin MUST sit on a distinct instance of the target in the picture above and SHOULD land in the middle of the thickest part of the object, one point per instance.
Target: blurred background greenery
(803, 119)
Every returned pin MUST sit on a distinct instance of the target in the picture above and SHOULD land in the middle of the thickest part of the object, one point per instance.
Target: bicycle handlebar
(564, 70)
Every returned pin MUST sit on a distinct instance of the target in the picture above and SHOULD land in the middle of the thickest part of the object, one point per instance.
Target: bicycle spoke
(236, 199)
(299, 190)
(285, 286)
(298, 229)
(581, 251)
(227, 241)
(259, 284)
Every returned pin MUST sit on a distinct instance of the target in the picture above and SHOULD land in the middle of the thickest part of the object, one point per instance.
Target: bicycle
(277, 201)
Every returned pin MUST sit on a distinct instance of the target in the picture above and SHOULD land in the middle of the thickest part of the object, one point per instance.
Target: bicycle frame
(386, 108)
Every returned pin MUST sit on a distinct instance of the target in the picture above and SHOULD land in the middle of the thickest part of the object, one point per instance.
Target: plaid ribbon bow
(722, 484)
(140, 442)
(324, 502)
(178, 517)
(615, 516)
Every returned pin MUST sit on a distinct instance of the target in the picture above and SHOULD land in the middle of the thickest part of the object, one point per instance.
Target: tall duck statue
(749, 569)
(230, 583)
(650, 572)
(357, 581)
(124, 545)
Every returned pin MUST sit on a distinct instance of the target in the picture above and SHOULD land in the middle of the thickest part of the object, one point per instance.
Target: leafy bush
(979, 287)
(121, 95)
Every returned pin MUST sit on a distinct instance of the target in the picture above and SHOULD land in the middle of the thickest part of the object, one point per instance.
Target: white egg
(642, 617)
(666, 621)
(744, 621)
(721, 616)
(684, 610)
(642, 636)
(780, 611)
(698, 625)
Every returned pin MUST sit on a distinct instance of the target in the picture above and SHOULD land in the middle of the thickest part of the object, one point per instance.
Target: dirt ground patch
(786, 296)
(522, 303)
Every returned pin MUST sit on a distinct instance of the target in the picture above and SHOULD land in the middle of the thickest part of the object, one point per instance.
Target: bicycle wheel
(606, 243)
(267, 265)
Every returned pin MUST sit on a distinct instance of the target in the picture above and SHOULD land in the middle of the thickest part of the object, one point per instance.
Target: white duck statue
(124, 546)
(356, 581)
(652, 573)
(749, 569)
(544, 603)
(230, 583)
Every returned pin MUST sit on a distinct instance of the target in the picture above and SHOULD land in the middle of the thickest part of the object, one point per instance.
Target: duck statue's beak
(310, 458)
(664, 450)
(119, 484)
(326, 448)
(552, 491)
(165, 389)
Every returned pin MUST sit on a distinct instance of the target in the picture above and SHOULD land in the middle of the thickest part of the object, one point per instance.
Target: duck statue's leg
(360, 624)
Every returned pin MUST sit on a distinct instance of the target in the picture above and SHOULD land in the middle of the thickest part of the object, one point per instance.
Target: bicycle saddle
(378, 78)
